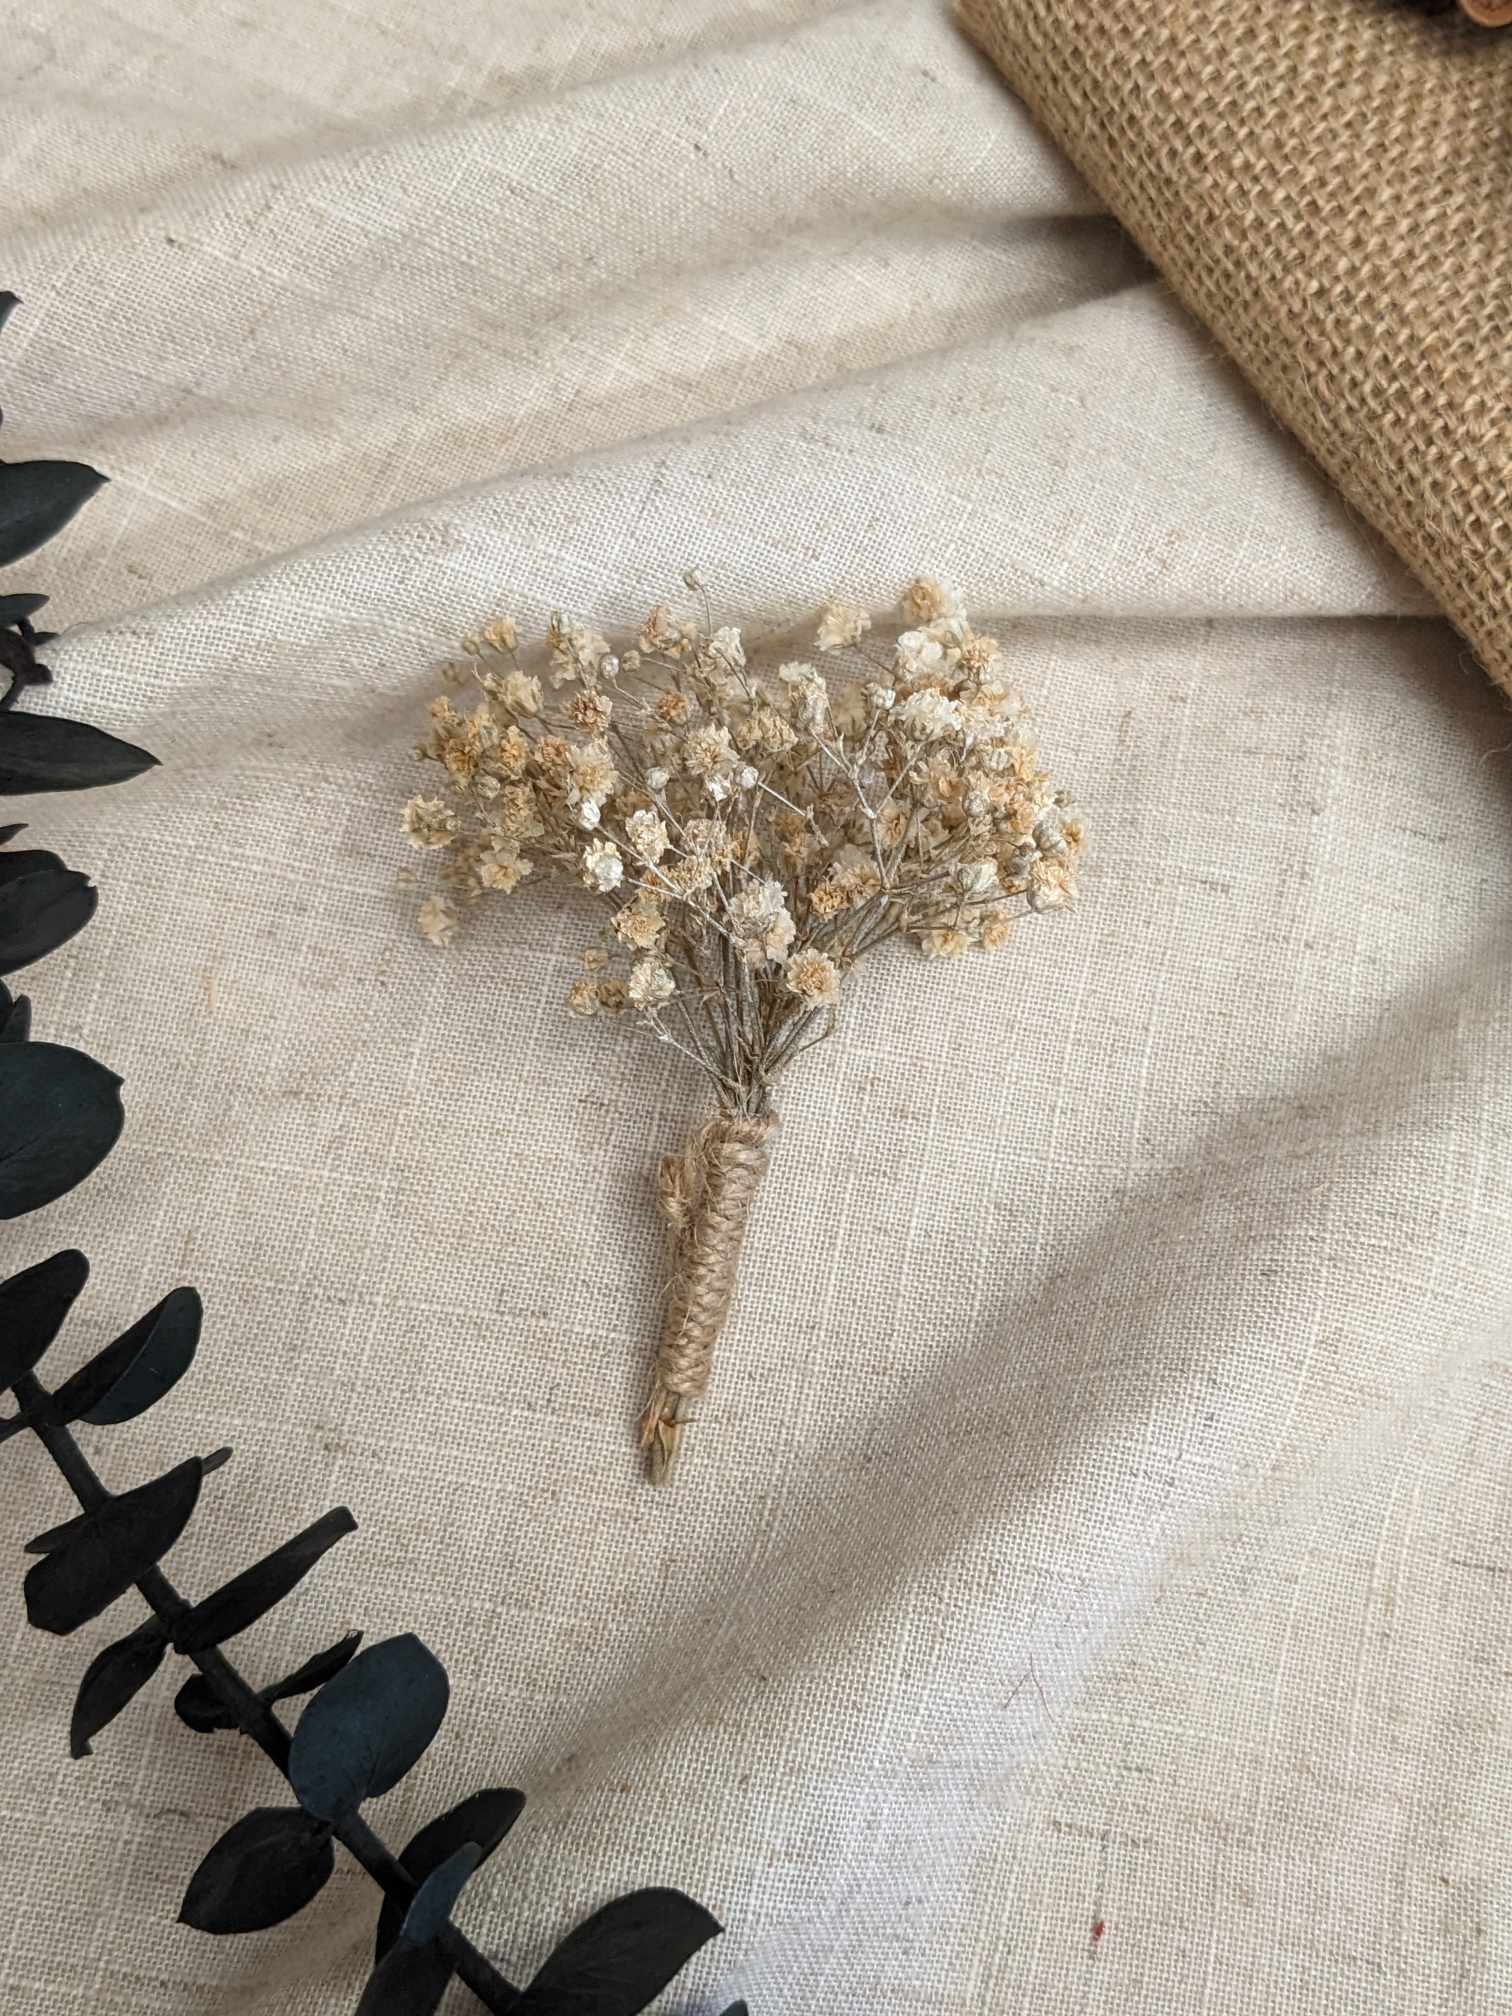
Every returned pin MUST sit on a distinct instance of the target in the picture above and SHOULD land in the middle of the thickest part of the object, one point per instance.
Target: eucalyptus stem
(255, 1719)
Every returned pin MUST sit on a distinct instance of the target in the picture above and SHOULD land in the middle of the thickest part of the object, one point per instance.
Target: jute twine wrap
(705, 1195)
(1325, 184)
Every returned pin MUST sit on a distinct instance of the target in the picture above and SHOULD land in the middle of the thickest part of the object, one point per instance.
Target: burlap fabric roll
(1326, 184)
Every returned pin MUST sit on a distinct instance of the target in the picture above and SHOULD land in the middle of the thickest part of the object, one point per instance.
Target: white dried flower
(502, 867)
(520, 693)
(657, 779)
(920, 658)
(927, 600)
(586, 814)
(647, 835)
(651, 983)
(726, 648)
(928, 715)
(640, 924)
(430, 822)
(995, 929)
(761, 923)
(840, 624)
(583, 998)
(977, 878)
(1051, 884)
(883, 698)
(944, 943)
(603, 867)
(575, 651)
(814, 978)
(437, 920)
(1049, 830)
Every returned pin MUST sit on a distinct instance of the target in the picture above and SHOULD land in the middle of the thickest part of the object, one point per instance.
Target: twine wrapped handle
(705, 1194)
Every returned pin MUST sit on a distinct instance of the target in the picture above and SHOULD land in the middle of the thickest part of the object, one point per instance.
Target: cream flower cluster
(754, 833)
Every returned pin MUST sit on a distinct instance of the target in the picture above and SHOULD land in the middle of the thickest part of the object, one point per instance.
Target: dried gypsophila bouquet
(753, 836)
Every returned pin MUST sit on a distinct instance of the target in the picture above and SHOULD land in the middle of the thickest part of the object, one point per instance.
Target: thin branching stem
(254, 1717)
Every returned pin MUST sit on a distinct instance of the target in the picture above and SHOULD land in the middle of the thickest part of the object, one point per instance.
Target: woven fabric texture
(1100, 1511)
(1324, 182)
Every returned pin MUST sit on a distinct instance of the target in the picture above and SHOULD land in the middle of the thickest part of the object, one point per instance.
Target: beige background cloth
(1101, 1511)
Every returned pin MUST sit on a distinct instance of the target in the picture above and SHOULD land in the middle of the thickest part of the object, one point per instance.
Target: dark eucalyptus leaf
(60, 1116)
(430, 1909)
(114, 1677)
(25, 861)
(41, 911)
(410, 1982)
(315, 1672)
(737, 2009)
(33, 1305)
(111, 1548)
(621, 1958)
(14, 607)
(58, 1536)
(365, 1728)
(15, 1020)
(8, 833)
(55, 1536)
(260, 1872)
(253, 1593)
(37, 499)
(125, 1378)
(7, 303)
(485, 1819)
(199, 1708)
(45, 752)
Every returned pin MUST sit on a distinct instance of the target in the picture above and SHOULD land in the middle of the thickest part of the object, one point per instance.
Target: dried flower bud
(840, 624)
(603, 868)
(430, 822)
(814, 978)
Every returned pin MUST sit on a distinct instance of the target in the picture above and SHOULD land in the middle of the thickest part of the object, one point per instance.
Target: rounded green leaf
(60, 1116)
(484, 1818)
(33, 1307)
(45, 752)
(37, 499)
(40, 911)
(410, 1982)
(430, 1909)
(143, 1364)
(621, 1958)
(260, 1872)
(110, 1549)
(114, 1678)
(365, 1728)
(253, 1593)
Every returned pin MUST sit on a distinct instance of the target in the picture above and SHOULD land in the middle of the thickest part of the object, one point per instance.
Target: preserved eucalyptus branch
(755, 831)
(371, 1713)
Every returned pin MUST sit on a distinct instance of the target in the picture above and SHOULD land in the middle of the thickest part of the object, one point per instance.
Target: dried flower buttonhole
(753, 831)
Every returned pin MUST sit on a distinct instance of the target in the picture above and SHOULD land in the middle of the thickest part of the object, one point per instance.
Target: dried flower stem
(705, 1194)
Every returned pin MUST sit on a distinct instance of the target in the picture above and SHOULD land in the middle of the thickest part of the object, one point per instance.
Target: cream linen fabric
(1101, 1512)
